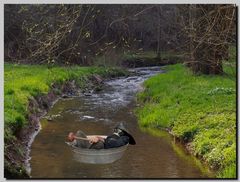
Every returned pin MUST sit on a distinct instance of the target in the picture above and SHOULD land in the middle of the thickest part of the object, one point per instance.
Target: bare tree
(75, 34)
(210, 30)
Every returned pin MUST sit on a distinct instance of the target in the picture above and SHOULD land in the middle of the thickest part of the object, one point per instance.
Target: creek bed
(151, 157)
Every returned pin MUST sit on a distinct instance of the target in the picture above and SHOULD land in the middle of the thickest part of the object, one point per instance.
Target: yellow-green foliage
(199, 109)
(21, 82)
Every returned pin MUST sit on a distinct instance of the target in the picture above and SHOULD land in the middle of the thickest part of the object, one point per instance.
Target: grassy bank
(152, 55)
(199, 109)
(23, 82)
(149, 58)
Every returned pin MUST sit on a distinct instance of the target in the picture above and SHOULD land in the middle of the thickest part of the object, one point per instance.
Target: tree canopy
(76, 33)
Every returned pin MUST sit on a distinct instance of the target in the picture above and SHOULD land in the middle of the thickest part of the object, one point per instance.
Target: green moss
(199, 109)
(178, 148)
(157, 132)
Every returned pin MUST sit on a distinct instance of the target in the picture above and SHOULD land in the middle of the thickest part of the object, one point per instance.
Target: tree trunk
(208, 45)
(159, 34)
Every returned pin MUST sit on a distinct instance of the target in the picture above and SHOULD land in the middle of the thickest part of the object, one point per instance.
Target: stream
(155, 154)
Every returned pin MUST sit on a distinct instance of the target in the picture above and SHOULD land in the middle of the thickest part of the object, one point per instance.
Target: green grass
(198, 109)
(21, 82)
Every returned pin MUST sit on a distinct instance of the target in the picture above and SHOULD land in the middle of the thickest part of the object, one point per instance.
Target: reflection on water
(152, 157)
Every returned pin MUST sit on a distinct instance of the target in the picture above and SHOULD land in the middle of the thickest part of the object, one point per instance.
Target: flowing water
(155, 155)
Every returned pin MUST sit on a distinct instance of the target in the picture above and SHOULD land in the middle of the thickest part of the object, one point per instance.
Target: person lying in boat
(120, 137)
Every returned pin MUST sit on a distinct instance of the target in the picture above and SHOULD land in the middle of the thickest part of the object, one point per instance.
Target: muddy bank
(16, 152)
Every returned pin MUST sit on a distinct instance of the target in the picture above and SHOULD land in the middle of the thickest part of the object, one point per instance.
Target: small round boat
(98, 156)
